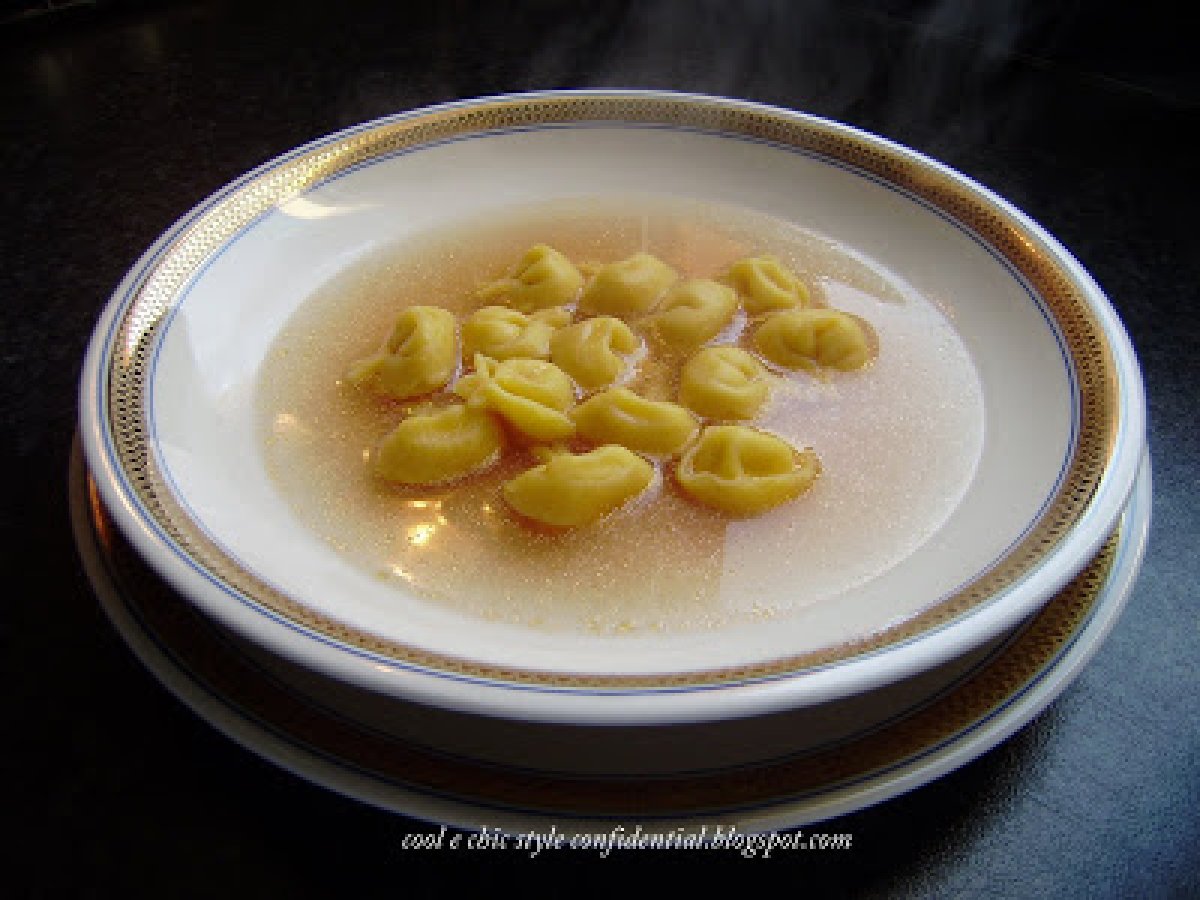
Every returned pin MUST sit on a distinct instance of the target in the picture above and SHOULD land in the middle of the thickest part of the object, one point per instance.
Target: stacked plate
(951, 572)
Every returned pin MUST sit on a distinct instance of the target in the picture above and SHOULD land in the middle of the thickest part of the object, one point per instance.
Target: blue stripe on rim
(151, 523)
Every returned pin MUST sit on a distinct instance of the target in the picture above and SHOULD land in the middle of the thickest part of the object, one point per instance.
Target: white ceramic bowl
(168, 417)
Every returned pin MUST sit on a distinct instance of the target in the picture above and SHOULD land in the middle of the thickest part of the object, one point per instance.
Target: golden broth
(898, 441)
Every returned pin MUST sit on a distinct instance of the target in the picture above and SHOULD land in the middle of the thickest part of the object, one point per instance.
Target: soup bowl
(172, 433)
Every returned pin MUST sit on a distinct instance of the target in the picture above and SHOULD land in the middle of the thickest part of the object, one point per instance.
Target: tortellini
(744, 472)
(439, 445)
(532, 395)
(627, 288)
(576, 489)
(723, 383)
(541, 279)
(813, 339)
(503, 333)
(593, 351)
(418, 357)
(619, 416)
(695, 311)
(528, 364)
(764, 285)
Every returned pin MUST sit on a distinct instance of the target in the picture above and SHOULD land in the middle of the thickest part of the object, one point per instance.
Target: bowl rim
(564, 702)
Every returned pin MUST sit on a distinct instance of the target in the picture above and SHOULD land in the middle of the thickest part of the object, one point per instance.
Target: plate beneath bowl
(198, 662)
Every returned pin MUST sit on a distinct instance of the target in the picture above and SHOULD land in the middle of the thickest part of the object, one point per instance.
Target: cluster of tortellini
(545, 363)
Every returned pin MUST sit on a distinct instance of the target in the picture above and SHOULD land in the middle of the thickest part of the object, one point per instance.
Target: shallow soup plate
(171, 420)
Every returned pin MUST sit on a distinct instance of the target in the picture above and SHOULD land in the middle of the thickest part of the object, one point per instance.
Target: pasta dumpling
(764, 284)
(744, 472)
(528, 363)
(503, 333)
(723, 383)
(592, 351)
(418, 357)
(695, 311)
(619, 416)
(532, 395)
(439, 445)
(570, 490)
(813, 339)
(627, 288)
(541, 279)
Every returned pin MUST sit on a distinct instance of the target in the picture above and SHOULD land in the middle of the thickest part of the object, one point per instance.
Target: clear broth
(898, 442)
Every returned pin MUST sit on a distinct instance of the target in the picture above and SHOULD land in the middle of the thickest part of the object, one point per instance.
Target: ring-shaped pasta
(532, 395)
(570, 490)
(694, 311)
(744, 472)
(723, 383)
(619, 416)
(439, 445)
(813, 339)
(764, 285)
(541, 279)
(629, 287)
(417, 358)
(503, 333)
(593, 351)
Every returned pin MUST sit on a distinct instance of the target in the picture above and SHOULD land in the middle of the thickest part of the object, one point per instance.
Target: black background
(115, 118)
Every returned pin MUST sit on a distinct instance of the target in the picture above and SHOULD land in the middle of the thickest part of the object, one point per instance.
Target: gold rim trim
(145, 317)
(221, 669)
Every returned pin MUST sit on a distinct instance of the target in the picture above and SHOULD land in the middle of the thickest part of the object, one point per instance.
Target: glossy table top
(118, 118)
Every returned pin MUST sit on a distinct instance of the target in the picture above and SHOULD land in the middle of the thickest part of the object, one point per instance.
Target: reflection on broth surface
(898, 441)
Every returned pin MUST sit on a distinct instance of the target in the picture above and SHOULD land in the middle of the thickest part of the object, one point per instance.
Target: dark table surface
(115, 118)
